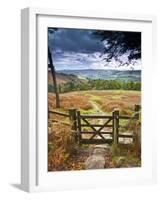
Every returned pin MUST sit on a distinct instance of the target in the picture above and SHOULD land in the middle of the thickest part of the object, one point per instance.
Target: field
(64, 153)
(124, 100)
(97, 101)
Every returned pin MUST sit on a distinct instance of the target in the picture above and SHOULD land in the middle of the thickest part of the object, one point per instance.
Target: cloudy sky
(79, 49)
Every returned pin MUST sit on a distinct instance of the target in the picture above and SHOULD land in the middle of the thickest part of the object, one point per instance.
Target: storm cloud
(78, 49)
(75, 40)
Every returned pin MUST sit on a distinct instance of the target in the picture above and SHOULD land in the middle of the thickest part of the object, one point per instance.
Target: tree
(118, 43)
(52, 68)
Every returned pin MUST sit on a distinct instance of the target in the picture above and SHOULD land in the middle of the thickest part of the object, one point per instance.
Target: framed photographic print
(87, 113)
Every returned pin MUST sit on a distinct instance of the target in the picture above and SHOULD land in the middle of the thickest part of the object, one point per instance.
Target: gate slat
(88, 123)
(91, 132)
(96, 116)
(98, 131)
(95, 130)
(96, 141)
(97, 125)
(104, 125)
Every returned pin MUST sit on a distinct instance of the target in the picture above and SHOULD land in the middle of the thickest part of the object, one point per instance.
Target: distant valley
(76, 80)
(122, 75)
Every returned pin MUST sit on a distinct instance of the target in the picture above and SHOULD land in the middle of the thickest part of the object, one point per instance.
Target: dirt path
(101, 121)
(97, 159)
(98, 111)
(97, 108)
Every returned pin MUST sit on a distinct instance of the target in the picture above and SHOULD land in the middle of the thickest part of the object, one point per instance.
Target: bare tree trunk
(51, 66)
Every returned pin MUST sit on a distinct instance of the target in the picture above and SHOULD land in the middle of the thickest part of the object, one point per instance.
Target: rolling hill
(123, 75)
(63, 78)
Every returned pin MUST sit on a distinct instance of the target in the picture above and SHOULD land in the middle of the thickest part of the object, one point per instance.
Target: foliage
(71, 100)
(97, 84)
(60, 145)
(118, 43)
(125, 156)
(50, 88)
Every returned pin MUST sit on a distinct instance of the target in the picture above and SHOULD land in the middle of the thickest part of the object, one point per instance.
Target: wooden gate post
(115, 126)
(137, 108)
(79, 126)
(73, 119)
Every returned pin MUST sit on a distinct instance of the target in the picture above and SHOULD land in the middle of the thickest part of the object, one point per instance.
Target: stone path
(97, 158)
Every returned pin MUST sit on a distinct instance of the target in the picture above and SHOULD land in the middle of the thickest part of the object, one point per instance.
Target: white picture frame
(33, 174)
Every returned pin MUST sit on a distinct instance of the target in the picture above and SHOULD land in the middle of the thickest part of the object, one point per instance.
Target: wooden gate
(90, 132)
(98, 129)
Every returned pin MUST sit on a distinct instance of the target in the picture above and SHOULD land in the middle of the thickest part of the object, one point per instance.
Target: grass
(90, 111)
(126, 154)
(95, 98)
(107, 100)
(70, 100)
(123, 100)
(116, 97)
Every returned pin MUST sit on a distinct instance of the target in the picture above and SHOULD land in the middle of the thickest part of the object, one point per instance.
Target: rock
(104, 146)
(97, 158)
(95, 162)
(99, 151)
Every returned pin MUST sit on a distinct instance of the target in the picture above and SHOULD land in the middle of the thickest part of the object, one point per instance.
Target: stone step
(95, 162)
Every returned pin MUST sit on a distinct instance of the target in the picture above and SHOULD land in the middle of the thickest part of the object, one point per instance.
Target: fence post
(137, 108)
(73, 119)
(115, 127)
(79, 126)
(136, 138)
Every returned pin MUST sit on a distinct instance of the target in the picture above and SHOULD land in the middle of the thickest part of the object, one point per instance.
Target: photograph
(94, 99)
